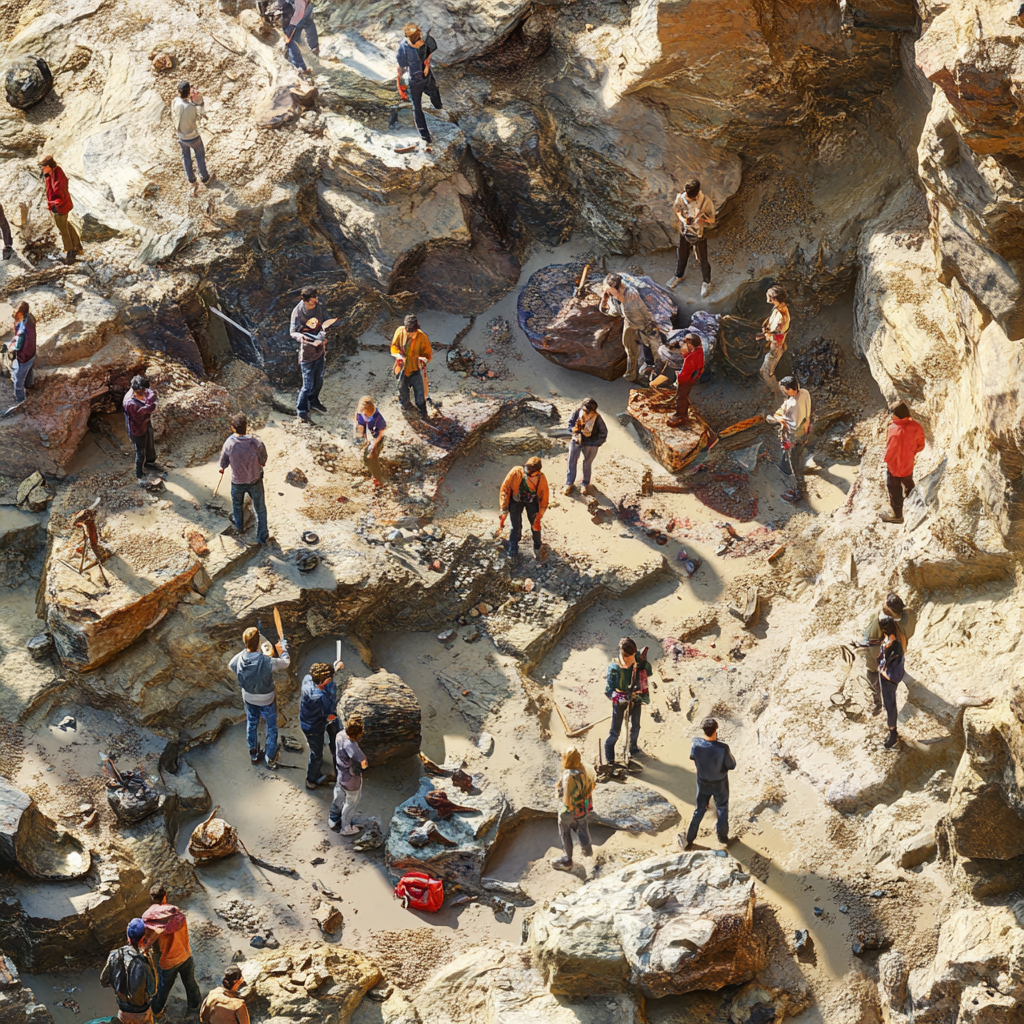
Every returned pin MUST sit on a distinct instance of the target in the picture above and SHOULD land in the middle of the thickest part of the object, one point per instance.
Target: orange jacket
(411, 347)
(510, 489)
(905, 440)
(174, 948)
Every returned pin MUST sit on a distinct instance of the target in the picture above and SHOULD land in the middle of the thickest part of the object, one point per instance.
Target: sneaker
(675, 421)
(208, 180)
(705, 289)
(334, 826)
(891, 740)
(672, 282)
(318, 406)
(272, 765)
(195, 188)
(255, 756)
(588, 488)
(561, 863)
(352, 830)
(790, 497)
(319, 782)
(569, 488)
(892, 519)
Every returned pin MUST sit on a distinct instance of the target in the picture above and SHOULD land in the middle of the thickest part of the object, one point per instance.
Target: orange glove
(536, 523)
(401, 88)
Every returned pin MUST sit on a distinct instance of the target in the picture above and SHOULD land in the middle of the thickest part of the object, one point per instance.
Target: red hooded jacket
(693, 366)
(905, 440)
(57, 196)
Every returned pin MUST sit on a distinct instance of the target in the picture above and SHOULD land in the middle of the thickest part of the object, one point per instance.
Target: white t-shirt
(796, 411)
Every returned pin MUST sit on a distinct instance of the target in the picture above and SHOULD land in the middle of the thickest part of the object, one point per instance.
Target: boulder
(28, 81)
(674, 447)
(664, 926)
(390, 713)
(30, 840)
(17, 1001)
(905, 829)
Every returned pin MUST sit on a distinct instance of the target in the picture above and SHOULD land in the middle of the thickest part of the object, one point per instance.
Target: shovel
(212, 505)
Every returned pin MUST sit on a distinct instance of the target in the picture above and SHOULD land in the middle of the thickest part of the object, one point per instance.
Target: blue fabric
(891, 659)
(20, 373)
(589, 453)
(315, 739)
(416, 91)
(294, 32)
(598, 435)
(409, 57)
(259, 504)
(714, 759)
(315, 705)
(705, 791)
(187, 149)
(312, 382)
(374, 425)
(255, 673)
(253, 713)
(415, 379)
(618, 714)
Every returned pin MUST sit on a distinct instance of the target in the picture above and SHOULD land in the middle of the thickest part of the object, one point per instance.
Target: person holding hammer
(525, 489)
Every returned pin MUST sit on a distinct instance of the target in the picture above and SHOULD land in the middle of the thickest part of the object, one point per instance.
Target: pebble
(258, 942)
(844, 909)
(878, 894)
(800, 939)
(445, 635)
(818, 911)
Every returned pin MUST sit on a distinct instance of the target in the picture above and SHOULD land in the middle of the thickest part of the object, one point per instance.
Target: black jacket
(713, 758)
(598, 435)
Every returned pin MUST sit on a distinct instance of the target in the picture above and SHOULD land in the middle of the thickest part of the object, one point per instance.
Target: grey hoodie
(255, 671)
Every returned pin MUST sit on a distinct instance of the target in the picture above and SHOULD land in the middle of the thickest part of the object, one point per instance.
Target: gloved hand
(501, 520)
(536, 523)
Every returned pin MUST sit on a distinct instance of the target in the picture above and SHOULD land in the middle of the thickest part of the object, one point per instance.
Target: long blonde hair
(581, 781)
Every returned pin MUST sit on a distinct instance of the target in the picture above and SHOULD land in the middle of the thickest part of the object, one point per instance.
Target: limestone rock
(29, 484)
(28, 81)
(328, 917)
(17, 1002)
(664, 926)
(390, 713)
(30, 840)
(157, 247)
(905, 829)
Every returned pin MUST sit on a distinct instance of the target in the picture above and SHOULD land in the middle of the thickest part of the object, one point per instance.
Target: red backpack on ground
(418, 891)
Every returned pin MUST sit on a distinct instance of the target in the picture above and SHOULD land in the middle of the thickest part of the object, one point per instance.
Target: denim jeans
(344, 804)
(187, 149)
(567, 824)
(618, 714)
(307, 26)
(165, 982)
(315, 739)
(414, 380)
(312, 382)
(21, 374)
(589, 453)
(253, 714)
(705, 791)
(145, 450)
(259, 505)
(515, 511)
(416, 91)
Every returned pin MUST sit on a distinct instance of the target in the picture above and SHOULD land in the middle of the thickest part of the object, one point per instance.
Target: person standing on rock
(693, 367)
(589, 432)
(794, 417)
(187, 110)
(224, 1004)
(890, 674)
(58, 199)
(774, 331)
(414, 66)
(639, 331)
(370, 426)
(695, 212)
(576, 788)
(254, 669)
(905, 439)
(893, 608)
(412, 351)
(312, 352)
(246, 454)
(5, 231)
(350, 762)
(139, 405)
(318, 716)
(173, 952)
(626, 687)
(130, 972)
(714, 761)
(524, 489)
(300, 22)
(22, 349)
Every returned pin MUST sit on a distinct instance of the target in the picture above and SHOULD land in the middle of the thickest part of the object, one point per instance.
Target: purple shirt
(138, 412)
(374, 425)
(246, 454)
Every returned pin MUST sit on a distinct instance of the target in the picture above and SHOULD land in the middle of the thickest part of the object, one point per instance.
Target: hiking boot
(301, 421)
(727, 841)
(791, 497)
(319, 406)
(561, 863)
(208, 180)
(891, 740)
(672, 282)
(8, 252)
(255, 756)
(513, 552)
(541, 554)
(675, 421)
(334, 825)
(569, 488)
(271, 764)
(319, 782)
(892, 519)
(588, 488)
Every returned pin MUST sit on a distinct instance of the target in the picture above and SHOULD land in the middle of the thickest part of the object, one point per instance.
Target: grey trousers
(567, 824)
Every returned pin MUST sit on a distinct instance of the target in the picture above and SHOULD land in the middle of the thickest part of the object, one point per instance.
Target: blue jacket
(713, 758)
(316, 704)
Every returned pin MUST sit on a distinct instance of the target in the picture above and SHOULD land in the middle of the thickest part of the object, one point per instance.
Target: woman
(351, 763)
(576, 788)
(370, 426)
(890, 673)
(224, 1005)
(58, 199)
(22, 349)
(589, 432)
(774, 330)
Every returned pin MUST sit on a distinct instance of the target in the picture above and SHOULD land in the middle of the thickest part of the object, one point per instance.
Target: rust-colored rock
(583, 338)
(674, 447)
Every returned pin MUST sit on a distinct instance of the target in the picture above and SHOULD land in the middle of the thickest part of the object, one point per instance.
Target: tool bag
(418, 891)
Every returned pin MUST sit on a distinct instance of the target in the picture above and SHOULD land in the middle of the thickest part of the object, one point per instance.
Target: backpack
(418, 891)
(128, 977)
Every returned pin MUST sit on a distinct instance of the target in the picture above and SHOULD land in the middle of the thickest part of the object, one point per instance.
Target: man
(318, 715)
(905, 440)
(774, 329)
(301, 21)
(350, 762)
(412, 351)
(246, 454)
(224, 1004)
(129, 971)
(187, 110)
(254, 669)
(693, 367)
(5, 231)
(524, 489)
(893, 608)
(794, 417)
(589, 432)
(58, 199)
(627, 688)
(139, 404)
(714, 761)
(312, 352)
(173, 951)
(22, 348)
(695, 212)
(638, 329)
(414, 64)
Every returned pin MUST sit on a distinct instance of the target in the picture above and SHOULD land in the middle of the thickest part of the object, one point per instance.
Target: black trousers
(898, 487)
(889, 700)
(416, 91)
(683, 251)
(705, 791)
(145, 450)
(515, 511)
(5, 230)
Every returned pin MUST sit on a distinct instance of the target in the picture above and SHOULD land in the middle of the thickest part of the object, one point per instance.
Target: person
(139, 404)
(169, 935)
(576, 788)
(626, 687)
(412, 351)
(312, 352)
(524, 489)
(639, 331)
(22, 348)
(5, 231)
(130, 972)
(254, 669)
(893, 608)
(246, 454)
(301, 22)
(774, 330)
(318, 715)
(58, 199)
(794, 416)
(890, 674)
(350, 762)
(695, 212)
(693, 367)
(187, 110)
(414, 62)
(370, 426)
(714, 761)
(905, 439)
(589, 432)
(224, 1004)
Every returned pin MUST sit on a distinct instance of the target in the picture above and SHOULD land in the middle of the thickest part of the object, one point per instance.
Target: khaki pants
(69, 239)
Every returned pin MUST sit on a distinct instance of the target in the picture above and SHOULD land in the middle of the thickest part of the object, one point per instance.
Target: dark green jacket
(619, 680)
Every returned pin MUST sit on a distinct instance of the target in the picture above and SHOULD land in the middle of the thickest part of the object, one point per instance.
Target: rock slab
(391, 716)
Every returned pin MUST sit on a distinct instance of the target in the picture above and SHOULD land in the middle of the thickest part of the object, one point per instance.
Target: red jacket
(57, 196)
(906, 439)
(693, 366)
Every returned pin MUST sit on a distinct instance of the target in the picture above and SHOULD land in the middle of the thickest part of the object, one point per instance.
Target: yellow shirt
(413, 347)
